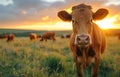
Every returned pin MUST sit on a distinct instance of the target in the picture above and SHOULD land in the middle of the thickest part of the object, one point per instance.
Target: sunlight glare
(106, 23)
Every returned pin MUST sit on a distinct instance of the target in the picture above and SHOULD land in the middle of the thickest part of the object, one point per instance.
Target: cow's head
(81, 18)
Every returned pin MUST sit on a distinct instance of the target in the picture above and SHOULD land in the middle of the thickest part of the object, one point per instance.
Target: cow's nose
(83, 39)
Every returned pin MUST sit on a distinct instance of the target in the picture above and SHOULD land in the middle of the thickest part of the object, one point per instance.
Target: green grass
(25, 58)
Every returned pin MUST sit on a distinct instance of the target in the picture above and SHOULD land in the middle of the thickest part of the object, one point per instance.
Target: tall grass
(25, 58)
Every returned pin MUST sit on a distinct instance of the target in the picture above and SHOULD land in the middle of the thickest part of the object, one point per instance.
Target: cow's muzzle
(83, 40)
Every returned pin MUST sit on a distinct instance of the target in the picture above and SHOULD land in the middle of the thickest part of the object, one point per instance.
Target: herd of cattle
(33, 36)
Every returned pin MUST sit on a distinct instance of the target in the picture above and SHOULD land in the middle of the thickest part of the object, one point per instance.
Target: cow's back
(49, 34)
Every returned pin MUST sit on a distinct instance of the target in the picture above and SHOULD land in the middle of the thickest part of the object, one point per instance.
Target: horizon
(51, 30)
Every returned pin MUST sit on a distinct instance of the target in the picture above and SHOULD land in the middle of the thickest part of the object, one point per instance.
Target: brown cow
(3, 36)
(87, 41)
(34, 36)
(48, 35)
(10, 37)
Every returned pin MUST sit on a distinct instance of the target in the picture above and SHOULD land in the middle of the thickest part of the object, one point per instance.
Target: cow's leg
(79, 69)
(96, 65)
(78, 65)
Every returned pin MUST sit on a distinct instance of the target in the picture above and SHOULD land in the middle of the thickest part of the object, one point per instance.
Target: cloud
(114, 9)
(115, 13)
(25, 12)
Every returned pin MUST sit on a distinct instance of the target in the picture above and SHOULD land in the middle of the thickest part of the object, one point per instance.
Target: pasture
(25, 58)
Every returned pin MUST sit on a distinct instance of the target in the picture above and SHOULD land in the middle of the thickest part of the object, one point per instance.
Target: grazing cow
(65, 36)
(33, 36)
(10, 37)
(3, 36)
(87, 41)
(48, 35)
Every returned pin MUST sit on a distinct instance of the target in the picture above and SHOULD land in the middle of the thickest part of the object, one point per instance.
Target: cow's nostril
(87, 38)
(78, 39)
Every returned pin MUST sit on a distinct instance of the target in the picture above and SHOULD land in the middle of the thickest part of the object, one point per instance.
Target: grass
(25, 58)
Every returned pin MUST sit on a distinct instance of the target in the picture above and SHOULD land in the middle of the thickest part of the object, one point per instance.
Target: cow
(10, 37)
(3, 36)
(65, 36)
(48, 36)
(34, 36)
(87, 41)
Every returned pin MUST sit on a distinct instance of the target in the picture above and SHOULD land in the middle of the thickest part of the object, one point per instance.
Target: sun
(106, 23)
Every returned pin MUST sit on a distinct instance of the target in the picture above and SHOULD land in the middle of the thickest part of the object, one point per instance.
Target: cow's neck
(81, 51)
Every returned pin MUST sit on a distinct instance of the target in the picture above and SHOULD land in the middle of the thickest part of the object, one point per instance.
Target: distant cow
(10, 37)
(3, 36)
(48, 36)
(65, 36)
(87, 41)
(34, 36)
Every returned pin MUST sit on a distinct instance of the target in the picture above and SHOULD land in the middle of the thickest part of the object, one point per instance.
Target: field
(25, 58)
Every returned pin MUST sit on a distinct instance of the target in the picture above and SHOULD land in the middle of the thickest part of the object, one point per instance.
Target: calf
(87, 41)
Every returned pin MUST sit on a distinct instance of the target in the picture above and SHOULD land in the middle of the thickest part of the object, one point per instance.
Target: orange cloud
(45, 18)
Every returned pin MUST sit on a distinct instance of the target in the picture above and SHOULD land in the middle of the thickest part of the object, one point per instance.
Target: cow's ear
(65, 16)
(100, 14)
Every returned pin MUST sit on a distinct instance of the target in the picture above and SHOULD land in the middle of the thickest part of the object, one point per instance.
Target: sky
(42, 14)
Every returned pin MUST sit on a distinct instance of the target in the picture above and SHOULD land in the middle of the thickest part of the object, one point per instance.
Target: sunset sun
(106, 23)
